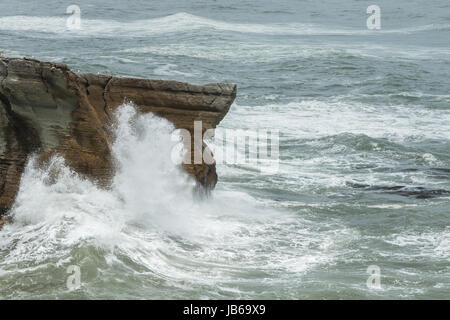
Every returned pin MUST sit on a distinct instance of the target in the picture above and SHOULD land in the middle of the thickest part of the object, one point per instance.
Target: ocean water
(364, 171)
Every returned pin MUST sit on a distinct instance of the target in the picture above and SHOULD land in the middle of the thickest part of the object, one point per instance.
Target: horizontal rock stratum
(47, 109)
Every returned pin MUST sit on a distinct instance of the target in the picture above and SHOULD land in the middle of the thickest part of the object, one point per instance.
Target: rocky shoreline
(46, 109)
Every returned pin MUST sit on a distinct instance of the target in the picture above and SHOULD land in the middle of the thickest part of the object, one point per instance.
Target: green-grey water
(364, 171)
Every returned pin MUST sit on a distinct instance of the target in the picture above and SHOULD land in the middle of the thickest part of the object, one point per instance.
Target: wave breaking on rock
(46, 110)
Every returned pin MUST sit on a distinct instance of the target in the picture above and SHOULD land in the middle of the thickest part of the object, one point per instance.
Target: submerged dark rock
(417, 192)
(47, 109)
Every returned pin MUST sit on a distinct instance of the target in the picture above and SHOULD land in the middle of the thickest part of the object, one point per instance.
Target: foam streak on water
(184, 22)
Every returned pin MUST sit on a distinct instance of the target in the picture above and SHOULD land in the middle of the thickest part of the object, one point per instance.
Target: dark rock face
(47, 109)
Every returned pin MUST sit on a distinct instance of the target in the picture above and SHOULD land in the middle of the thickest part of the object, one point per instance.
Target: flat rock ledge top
(47, 109)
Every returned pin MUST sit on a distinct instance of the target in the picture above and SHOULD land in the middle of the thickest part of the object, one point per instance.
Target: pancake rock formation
(46, 109)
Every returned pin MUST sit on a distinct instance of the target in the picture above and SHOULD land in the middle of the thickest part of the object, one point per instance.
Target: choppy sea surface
(364, 172)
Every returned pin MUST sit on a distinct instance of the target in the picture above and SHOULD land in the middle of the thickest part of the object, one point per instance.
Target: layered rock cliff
(47, 109)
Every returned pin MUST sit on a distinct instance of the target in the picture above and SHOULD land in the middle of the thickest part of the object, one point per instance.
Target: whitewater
(149, 226)
(364, 170)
